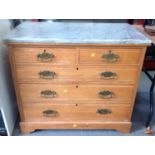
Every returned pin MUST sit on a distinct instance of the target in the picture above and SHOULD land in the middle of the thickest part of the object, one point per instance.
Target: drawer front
(110, 56)
(31, 74)
(45, 55)
(31, 93)
(43, 74)
(76, 112)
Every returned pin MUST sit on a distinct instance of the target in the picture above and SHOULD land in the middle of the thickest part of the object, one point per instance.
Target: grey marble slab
(76, 33)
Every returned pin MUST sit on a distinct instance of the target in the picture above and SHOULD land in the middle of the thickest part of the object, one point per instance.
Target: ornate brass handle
(108, 75)
(50, 113)
(48, 93)
(110, 57)
(45, 56)
(47, 74)
(104, 111)
(106, 94)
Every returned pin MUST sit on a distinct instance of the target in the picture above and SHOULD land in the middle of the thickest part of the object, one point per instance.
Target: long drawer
(45, 55)
(76, 112)
(37, 93)
(110, 56)
(31, 74)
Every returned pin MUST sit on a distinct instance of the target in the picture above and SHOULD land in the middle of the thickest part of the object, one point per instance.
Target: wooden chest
(76, 86)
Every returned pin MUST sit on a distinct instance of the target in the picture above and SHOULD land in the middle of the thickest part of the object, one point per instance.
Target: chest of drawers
(76, 76)
(76, 86)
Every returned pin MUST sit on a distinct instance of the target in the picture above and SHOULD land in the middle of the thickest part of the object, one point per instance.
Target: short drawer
(45, 55)
(76, 112)
(110, 56)
(37, 93)
(120, 75)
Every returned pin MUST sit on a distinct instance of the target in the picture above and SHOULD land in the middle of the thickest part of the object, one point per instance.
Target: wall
(7, 96)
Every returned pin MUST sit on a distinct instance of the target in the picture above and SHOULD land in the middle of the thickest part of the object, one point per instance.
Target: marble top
(76, 33)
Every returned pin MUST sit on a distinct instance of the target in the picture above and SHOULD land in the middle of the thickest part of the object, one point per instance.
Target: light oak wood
(32, 93)
(77, 82)
(13, 71)
(94, 55)
(73, 74)
(62, 56)
(125, 127)
(76, 112)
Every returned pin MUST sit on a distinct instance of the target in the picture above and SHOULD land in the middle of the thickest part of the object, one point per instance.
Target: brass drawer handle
(104, 111)
(47, 74)
(45, 56)
(110, 57)
(106, 94)
(108, 75)
(50, 113)
(48, 93)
